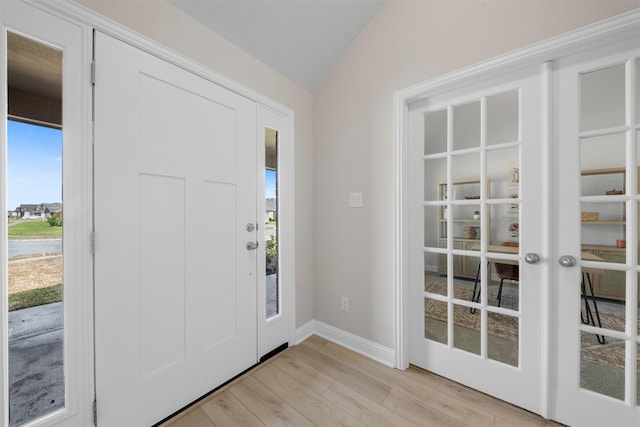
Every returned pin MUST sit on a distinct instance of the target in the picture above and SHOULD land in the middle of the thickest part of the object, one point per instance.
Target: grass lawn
(35, 282)
(34, 297)
(31, 229)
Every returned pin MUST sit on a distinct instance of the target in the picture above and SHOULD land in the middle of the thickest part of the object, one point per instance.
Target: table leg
(589, 315)
(475, 287)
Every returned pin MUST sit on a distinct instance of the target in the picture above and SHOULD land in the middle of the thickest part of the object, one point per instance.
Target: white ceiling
(301, 39)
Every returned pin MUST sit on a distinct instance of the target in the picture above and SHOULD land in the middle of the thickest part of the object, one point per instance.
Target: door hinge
(95, 412)
(93, 242)
(93, 73)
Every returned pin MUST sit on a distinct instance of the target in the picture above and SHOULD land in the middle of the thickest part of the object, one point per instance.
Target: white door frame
(608, 31)
(280, 328)
(74, 38)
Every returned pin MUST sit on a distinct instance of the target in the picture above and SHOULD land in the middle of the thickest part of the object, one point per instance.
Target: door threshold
(263, 359)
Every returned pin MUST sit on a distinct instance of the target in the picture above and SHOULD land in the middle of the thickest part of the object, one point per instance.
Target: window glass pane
(435, 225)
(603, 298)
(271, 223)
(503, 121)
(602, 366)
(466, 176)
(638, 312)
(637, 94)
(466, 330)
(603, 231)
(638, 376)
(435, 273)
(465, 270)
(435, 179)
(503, 172)
(466, 222)
(502, 338)
(435, 320)
(35, 273)
(504, 220)
(435, 132)
(504, 288)
(466, 126)
(602, 98)
(602, 162)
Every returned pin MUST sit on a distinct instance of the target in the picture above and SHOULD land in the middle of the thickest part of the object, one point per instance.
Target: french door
(475, 218)
(176, 239)
(524, 236)
(598, 207)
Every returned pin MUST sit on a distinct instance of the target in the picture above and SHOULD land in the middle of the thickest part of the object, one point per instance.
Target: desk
(587, 318)
(498, 249)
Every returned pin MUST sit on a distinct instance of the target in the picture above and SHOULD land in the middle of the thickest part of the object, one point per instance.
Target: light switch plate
(355, 200)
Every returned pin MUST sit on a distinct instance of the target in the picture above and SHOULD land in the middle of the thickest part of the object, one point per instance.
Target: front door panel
(175, 186)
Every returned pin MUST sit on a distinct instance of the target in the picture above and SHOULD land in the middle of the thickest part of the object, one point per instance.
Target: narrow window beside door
(34, 199)
(271, 223)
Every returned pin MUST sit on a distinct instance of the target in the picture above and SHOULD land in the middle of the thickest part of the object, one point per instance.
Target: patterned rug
(506, 327)
(500, 325)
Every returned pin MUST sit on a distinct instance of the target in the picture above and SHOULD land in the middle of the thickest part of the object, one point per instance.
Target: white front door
(598, 213)
(475, 193)
(175, 188)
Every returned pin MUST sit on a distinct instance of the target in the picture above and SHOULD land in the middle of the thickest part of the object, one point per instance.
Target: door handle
(567, 261)
(252, 246)
(531, 258)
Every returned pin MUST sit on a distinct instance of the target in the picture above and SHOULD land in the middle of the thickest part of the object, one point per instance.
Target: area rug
(501, 326)
(610, 354)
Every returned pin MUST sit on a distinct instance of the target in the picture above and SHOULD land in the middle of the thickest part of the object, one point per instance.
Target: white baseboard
(370, 349)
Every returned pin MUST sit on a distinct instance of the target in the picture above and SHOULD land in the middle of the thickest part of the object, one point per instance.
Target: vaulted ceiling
(301, 39)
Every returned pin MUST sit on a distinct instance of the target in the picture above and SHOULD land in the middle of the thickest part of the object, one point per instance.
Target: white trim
(370, 349)
(401, 238)
(617, 27)
(4, 246)
(303, 332)
(86, 16)
(547, 205)
(33, 20)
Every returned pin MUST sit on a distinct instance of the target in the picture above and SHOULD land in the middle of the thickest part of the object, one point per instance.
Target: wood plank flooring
(318, 383)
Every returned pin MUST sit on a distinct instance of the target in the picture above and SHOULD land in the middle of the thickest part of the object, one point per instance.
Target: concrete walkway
(36, 376)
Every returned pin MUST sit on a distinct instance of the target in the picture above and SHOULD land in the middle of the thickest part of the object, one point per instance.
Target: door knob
(252, 246)
(567, 261)
(531, 258)
(251, 227)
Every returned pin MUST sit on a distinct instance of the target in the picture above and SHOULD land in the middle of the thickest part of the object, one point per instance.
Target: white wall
(170, 27)
(406, 43)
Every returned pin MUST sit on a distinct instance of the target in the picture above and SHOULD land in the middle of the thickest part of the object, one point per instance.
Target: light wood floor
(320, 383)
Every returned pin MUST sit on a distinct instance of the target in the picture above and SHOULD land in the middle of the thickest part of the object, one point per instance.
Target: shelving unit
(608, 284)
(463, 217)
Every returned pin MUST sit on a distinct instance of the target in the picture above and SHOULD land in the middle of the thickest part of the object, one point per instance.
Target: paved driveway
(36, 376)
(34, 247)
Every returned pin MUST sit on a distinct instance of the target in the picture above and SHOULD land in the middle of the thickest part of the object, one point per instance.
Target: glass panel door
(477, 315)
(598, 222)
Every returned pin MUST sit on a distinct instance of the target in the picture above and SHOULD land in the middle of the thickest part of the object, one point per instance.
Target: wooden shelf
(604, 222)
